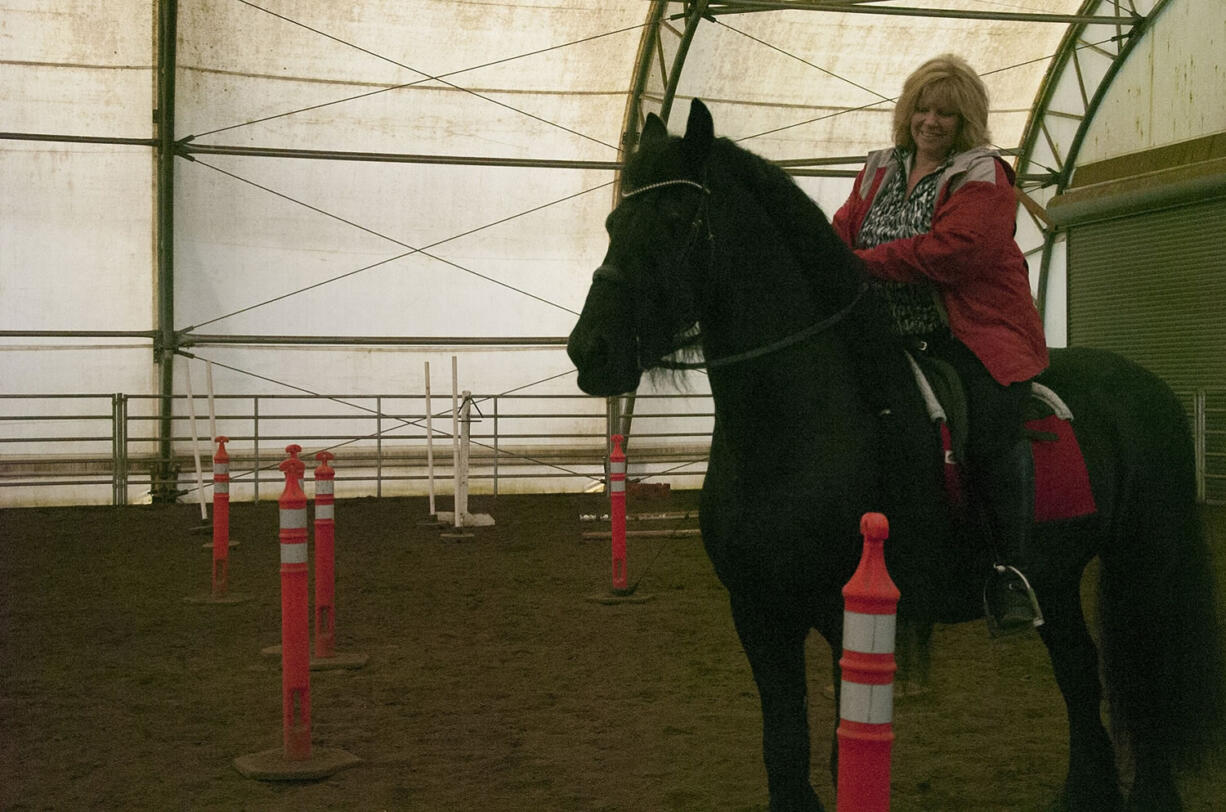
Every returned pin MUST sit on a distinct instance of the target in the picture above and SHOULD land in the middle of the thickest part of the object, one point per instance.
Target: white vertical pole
(191, 414)
(455, 440)
(208, 379)
(465, 423)
(429, 442)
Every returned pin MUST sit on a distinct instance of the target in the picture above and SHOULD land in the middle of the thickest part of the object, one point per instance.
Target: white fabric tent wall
(243, 236)
(76, 221)
(522, 105)
(1170, 91)
(396, 249)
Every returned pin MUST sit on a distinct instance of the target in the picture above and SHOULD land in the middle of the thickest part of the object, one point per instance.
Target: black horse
(715, 250)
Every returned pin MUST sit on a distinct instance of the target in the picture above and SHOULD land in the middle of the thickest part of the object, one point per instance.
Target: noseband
(613, 274)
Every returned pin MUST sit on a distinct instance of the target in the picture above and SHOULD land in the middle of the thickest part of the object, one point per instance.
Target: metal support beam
(80, 139)
(199, 340)
(1082, 71)
(696, 12)
(78, 334)
(633, 117)
(739, 6)
(164, 342)
(189, 150)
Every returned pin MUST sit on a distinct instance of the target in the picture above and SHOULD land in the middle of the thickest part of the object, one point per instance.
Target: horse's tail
(1162, 645)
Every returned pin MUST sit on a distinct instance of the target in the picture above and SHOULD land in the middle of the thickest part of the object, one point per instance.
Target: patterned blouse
(895, 215)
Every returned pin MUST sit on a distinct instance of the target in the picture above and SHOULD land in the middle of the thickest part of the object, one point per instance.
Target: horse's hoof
(805, 802)
(1107, 800)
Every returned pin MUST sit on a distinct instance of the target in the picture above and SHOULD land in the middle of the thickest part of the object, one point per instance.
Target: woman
(933, 220)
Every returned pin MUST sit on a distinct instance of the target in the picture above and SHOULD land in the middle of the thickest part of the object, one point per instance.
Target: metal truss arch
(1079, 77)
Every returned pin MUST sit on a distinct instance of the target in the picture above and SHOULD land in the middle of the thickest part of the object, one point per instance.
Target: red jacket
(969, 255)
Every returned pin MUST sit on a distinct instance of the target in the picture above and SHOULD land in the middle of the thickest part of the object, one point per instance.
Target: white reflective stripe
(293, 518)
(617, 485)
(869, 634)
(617, 467)
(323, 486)
(869, 704)
(221, 467)
(221, 487)
(323, 511)
(294, 553)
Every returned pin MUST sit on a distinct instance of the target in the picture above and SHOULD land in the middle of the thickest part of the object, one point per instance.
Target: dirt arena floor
(492, 682)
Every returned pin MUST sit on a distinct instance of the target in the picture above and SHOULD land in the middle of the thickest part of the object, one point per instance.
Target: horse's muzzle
(602, 344)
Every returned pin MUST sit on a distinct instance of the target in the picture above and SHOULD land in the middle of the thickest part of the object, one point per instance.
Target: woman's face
(934, 126)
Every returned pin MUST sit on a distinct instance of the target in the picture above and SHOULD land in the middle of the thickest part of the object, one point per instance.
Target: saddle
(1061, 481)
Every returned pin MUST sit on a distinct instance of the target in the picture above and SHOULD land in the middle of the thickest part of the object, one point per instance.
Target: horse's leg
(835, 654)
(913, 651)
(1093, 781)
(1153, 785)
(777, 658)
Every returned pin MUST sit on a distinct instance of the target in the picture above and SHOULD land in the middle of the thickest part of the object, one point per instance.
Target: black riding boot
(1008, 490)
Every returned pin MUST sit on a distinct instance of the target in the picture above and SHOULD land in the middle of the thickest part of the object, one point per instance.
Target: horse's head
(643, 304)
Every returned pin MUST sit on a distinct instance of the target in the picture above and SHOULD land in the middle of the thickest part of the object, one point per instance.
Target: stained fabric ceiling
(371, 171)
(329, 197)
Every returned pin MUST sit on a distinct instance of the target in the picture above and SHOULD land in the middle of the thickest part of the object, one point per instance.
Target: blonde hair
(948, 82)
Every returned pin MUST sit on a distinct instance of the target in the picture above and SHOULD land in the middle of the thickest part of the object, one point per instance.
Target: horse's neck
(811, 387)
(781, 269)
(787, 426)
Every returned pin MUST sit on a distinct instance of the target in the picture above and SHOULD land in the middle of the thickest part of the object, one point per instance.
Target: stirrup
(995, 628)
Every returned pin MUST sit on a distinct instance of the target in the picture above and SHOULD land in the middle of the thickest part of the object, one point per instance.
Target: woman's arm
(969, 231)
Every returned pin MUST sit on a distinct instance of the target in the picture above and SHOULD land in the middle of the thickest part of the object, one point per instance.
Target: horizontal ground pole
(643, 517)
(678, 533)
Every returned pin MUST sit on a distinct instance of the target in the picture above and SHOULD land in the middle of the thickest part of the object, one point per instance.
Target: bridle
(613, 274)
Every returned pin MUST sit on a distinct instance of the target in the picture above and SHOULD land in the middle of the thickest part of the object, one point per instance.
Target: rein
(795, 338)
(613, 274)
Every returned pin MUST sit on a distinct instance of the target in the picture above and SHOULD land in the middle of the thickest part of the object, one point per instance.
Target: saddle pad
(1061, 482)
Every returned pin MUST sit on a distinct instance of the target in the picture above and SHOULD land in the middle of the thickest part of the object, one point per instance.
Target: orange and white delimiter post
(295, 634)
(221, 517)
(617, 513)
(325, 557)
(866, 703)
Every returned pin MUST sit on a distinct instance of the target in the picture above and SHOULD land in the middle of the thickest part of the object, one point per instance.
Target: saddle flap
(944, 398)
(1062, 483)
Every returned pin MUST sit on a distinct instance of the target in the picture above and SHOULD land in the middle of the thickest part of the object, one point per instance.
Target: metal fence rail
(69, 449)
(1209, 430)
(103, 448)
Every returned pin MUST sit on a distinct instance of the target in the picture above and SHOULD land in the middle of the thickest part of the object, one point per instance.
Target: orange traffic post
(325, 557)
(221, 517)
(622, 591)
(219, 591)
(295, 760)
(326, 656)
(617, 513)
(866, 706)
(295, 639)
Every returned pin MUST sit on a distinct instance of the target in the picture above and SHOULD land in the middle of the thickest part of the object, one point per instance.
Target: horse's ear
(699, 129)
(654, 131)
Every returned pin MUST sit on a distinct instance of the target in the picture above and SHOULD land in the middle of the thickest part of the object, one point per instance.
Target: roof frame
(1050, 146)
(863, 7)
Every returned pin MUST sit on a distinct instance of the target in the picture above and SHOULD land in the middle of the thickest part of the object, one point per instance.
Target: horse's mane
(806, 230)
(830, 266)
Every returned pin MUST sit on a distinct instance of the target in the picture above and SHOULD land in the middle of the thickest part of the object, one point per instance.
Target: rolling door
(1152, 287)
